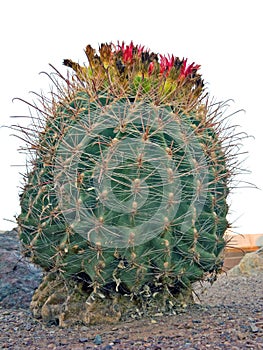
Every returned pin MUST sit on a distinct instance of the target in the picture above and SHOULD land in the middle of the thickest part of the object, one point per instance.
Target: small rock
(196, 321)
(83, 340)
(241, 336)
(63, 341)
(254, 328)
(5, 313)
(28, 327)
(97, 340)
(251, 263)
(107, 347)
(116, 341)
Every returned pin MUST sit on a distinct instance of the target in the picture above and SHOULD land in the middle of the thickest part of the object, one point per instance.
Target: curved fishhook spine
(24, 140)
(30, 104)
(60, 75)
(56, 84)
(43, 99)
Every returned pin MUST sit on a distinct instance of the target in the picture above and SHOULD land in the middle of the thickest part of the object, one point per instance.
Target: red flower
(128, 52)
(166, 64)
(185, 71)
(150, 68)
(139, 49)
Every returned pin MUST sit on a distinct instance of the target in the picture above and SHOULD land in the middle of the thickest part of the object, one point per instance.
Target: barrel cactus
(125, 200)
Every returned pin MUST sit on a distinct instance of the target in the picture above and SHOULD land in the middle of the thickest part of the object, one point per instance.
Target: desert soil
(229, 315)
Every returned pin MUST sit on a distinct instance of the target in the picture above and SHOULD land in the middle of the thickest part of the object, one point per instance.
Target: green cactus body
(129, 183)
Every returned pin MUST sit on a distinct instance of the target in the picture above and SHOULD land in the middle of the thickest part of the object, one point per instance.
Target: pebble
(97, 340)
(116, 341)
(28, 327)
(254, 328)
(63, 341)
(83, 340)
(196, 321)
(107, 347)
(6, 313)
(241, 336)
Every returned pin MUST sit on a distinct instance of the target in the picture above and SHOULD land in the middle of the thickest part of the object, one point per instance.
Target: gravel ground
(229, 315)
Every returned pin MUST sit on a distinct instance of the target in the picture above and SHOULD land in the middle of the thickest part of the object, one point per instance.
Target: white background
(225, 37)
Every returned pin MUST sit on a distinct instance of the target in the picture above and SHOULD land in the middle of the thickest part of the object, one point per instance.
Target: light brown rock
(251, 263)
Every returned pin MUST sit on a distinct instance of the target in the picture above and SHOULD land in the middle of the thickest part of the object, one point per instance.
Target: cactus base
(67, 303)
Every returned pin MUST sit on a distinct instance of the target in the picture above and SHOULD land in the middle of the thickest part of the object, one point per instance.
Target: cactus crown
(133, 70)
